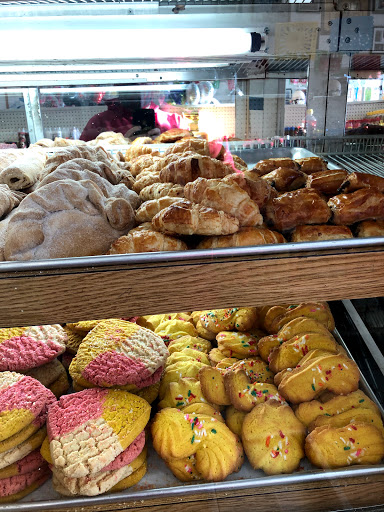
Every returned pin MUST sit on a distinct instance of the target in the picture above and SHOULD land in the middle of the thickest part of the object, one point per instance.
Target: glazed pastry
(177, 435)
(328, 447)
(229, 198)
(145, 239)
(186, 218)
(369, 228)
(284, 179)
(273, 438)
(234, 419)
(365, 203)
(258, 189)
(321, 232)
(327, 182)
(149, 209)
(266, 166)
(244, 237)
(189, 168)
(307, 412)
(157, 190)
(278, 316)
(358, 180)
(304, 206)
(335, 372)
(311, 164)
(172, 135)
(244, 394)
(217, 320)
(290, 353)
(199, 146)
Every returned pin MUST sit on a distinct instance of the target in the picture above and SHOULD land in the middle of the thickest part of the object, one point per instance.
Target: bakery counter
(64, 290)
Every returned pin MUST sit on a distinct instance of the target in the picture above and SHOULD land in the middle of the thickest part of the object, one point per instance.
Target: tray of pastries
(182, 194)
(165, 405)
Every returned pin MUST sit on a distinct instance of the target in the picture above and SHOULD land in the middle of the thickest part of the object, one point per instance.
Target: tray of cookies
(172, 405)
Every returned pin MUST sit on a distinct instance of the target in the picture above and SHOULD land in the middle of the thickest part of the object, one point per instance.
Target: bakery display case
(265, 80)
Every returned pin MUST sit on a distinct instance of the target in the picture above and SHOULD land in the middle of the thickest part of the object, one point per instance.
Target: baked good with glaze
(369, 228)
(178, 435)
(149, 209)
(186, 218)
(335, 372)
(311, 164)
(146, 239)
(157, 190)
(320, 232)
(244, 237)
(284, 179)
(328, 447)
(189, 168)
(273, 438)
(172, 135)
(265, 166)
(258, 189)
(327, 182)
(364, 204)
(227, 197)
(292, 209)
(358, 180)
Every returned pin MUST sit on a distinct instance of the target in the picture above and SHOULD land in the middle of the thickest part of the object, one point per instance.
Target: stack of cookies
(24, 403)
(96, 441)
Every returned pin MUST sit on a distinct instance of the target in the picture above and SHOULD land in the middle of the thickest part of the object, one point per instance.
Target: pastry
(244, 237)
(153, 321)
(215, 356)
(22, 449)
(99, 414)
(178, 370)
(199, 146)
(237, 344)
(284, 179)
(303, 206)
(139, 149)
(145, 239)
(359, 180)
(145, 179)
(174, 329)
(188, 354)
(14, 488)
(327, 182)
(193, 342)
(320, 232)
(364, 204)
(73, 340)
(52, 375)
(218, 320)
(23, 348)
(172, 135)
(142, 140)
(307, 412)
(258, 189)
(328, 447)
(120, 353)
(158, 190)
(369, 228)
(279, 316)
(25, 171)
(227, 197)
(265, 166)
(189, 168)
(203, 408)
(149, 209)
(178, 435)
(212, 385)
(311, 164)
(273, 438)
(9, 199)
(244, 394)
(184, 392)
(234, 419)
(359, 415)
(142, 162)
(186, 218)
(335, 372)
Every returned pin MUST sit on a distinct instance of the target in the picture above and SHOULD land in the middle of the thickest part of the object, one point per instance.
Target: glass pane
(13, 121)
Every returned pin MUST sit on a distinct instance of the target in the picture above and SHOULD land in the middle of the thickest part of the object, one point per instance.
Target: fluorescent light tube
(114, 44)
(124, 88)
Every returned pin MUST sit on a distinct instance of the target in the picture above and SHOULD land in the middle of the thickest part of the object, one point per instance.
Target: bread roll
(186, 218)
(320, 232)
(25, 171)
(364, 204)
(244, 237)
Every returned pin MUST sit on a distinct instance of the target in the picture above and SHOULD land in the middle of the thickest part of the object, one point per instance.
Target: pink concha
(21, 353)
(18, 483)
(115, 369)
(129, 454)
(29, 394)
(30, 462)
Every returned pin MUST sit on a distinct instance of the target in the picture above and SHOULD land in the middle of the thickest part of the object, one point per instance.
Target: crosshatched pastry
(22, 348)
(52, 375)
(120, 353)
(328, 447)
(273, 438)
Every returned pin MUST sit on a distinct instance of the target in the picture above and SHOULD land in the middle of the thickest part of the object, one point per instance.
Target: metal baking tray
(160, 483)
(251, 157)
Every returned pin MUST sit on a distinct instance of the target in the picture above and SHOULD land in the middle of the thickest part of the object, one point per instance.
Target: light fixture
(106, 44)
(122, 88)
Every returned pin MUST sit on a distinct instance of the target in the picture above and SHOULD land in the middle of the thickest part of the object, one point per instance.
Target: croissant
(199, 146)
(228, 197)
(320, 232)
(285, 179)
(172, 135)
(365, 203)
(244, 237)
(327, 182)
(145, 179)
(190, 168)
(186, 218)
(369, 228)
(149, 209)
(266, 166)
(311, 164)
(145, 239)
(258, 189)
(137, 150)
(304, 206)
(142, 140)
(358, 180)
(143, 162)
(157, 190)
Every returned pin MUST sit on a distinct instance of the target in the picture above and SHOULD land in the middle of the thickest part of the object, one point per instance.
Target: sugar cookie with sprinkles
(187, 369)
(238, 344)
(187, 354)
(184, 392)
(358, 415)
(177, 435)
(22, 348)
(234, 419)
(319, 311)
(152, 321)
(334, 372)
(108, 420)
(193, 342)
(218, 320)
(120, 353)
(170, 330)
(329, 447)
(273, 438)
